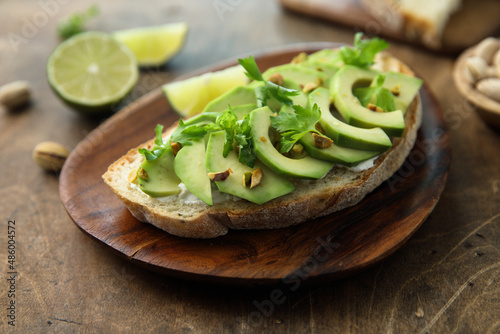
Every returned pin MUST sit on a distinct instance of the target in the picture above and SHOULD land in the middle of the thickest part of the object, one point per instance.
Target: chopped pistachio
(256, 178)
(310, 86)
(143, 174)
(375, 108)
(247, 179)
(322, 141)
(301, 57)
(396, 90)
(277, 79)
(175, 147)
(318, 127)
(220, 176)
(132, 176)
(298, 148)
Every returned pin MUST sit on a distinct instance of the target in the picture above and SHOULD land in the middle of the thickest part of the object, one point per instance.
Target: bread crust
(339, 189)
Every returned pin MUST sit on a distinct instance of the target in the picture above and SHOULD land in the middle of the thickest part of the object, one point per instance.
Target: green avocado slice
(236, 96)
(404, 86)
(337, 154)
(189, 166)
(271, 186)
(307, 167)
(298, 74)
(344, 134)
(159, 178)
(350, 108)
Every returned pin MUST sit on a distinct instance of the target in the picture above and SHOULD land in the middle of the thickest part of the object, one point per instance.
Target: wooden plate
(323, 249)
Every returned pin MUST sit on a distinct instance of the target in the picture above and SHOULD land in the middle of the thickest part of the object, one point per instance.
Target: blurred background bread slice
(422, 20)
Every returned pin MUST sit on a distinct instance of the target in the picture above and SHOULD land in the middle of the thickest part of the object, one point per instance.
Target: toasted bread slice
(422, 20)
(339, 189)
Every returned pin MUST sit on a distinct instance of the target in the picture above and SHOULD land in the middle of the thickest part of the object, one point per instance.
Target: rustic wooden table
(444, 279)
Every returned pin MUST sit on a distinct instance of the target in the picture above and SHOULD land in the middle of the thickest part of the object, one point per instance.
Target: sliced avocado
(189, 165)
(236, 96)
(327, 68)
(306, 167)
(158, 178)
(403, 87)
(271, 186)
(342, 133)
(337, 154)
(328, 56)
(204, 117)
(211, 116)
(328, 61)
(243, 109)
(350, 108)
(298, 74)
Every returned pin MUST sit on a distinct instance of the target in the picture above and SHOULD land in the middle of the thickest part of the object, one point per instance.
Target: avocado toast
(275, 173)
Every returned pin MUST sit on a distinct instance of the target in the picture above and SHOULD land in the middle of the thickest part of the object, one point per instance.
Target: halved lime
(92, 72)
(189, 97)
(154, 45)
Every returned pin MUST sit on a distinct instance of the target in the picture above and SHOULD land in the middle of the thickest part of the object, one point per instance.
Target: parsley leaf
(364, 51)
(384, 99)
(243, 138)
(270, 89)
(252, 70)
(280, 93)
(184, 135)
(227, 122)
(158, 150)
(294, 126)
(75, 23)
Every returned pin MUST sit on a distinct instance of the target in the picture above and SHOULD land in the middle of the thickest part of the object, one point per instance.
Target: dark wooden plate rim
(324, 249)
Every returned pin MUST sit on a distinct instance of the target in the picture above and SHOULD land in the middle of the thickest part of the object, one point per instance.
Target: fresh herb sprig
(294, 126)
(269, 89)
(240, 131)
(244, 140)
(158, 150)
(364, 51)
(75, 24)
(186, 134)
(383, 97)
(227, 121)
(183, 135)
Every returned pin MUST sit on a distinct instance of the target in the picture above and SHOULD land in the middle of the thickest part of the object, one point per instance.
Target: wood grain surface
(444, 279)
(461, 31)
(335, 246)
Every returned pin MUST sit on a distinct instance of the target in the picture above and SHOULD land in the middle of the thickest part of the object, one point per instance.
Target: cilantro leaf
(270, 89)
(185, 135)
(294, 126)
(75, 23)
(383, 97)
(364, 51)
(243, 138)
(158, 150)
(227, 122)
(280, 93)
(252, 70)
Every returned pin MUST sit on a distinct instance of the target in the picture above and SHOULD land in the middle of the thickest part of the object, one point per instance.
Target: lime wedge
(92, 72)
(154, 46)
(189, 97)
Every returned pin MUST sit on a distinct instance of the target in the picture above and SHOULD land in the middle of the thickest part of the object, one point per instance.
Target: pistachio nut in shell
(15, 94)
(50, 155)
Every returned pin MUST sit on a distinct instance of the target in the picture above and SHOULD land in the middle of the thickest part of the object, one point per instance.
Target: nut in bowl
(477, 77)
